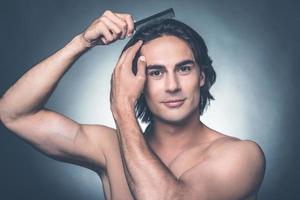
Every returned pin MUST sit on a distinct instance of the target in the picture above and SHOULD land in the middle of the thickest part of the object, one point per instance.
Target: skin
(180, 158)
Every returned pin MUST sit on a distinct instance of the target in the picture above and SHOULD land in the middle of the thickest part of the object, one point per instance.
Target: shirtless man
(178, 157)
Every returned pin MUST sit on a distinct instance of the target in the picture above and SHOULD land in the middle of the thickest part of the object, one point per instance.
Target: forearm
(33, 89)
(147, 176)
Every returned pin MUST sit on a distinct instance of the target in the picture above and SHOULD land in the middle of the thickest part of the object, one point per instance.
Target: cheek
(153, 88)
(192, 88)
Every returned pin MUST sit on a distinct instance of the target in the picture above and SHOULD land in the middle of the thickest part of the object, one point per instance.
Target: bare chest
(114, 182)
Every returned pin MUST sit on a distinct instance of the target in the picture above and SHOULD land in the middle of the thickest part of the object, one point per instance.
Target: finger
(112, 27)
(128, 57)
(132, 52)
(120, 22)
(141, 67)
(123, 56)
(105, 32)
(130, 23)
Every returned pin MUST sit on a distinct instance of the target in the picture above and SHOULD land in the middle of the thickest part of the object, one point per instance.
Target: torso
(114, 181)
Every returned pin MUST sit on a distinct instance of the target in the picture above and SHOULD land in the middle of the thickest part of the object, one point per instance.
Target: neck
(167, 135)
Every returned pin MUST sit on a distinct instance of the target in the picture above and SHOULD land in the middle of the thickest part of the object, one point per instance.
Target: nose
(172, 83)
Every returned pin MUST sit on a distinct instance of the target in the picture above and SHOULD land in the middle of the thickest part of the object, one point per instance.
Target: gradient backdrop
(255, 50)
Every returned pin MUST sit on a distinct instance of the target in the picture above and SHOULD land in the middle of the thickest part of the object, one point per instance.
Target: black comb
(161, 16)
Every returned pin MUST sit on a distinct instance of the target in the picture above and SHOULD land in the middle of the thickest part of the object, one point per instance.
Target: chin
(176, 118)
(171, 121)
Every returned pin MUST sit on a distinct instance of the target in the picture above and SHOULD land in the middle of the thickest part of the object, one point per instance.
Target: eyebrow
(158, 66)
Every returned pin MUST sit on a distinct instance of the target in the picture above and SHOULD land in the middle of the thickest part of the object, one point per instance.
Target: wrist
(122, 111)
(84, 42)
(78, 45)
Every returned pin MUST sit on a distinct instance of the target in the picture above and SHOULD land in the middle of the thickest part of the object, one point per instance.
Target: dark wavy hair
(176, 28)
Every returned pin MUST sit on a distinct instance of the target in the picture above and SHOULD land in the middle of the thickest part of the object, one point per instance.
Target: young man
(165, 74)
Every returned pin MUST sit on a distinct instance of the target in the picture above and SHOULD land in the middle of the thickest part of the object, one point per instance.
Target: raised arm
(22, 105)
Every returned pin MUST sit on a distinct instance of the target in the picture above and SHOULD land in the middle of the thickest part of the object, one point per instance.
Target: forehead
(166, 49)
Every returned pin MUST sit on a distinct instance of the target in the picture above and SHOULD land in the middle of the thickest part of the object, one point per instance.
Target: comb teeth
(159, 17)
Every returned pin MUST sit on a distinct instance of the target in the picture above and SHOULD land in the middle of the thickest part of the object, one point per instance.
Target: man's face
(173, 79)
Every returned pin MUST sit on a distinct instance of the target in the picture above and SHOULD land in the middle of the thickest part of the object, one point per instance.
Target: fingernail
(142, 58)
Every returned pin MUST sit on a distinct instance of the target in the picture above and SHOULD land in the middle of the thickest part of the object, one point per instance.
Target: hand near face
(125, 86)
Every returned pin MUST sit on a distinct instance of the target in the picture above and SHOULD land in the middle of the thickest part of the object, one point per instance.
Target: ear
(202, 79)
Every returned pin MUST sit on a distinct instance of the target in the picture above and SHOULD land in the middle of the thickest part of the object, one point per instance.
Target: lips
(173, 103)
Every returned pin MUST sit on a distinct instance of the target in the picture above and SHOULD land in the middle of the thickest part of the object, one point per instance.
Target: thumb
(141, 66)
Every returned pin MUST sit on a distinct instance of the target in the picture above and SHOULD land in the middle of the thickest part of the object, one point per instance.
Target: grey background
(255, 48)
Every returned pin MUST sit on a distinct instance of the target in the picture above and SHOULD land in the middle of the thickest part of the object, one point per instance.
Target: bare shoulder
(228, 148)
(235, 147)
(232, 169)
(235, 159)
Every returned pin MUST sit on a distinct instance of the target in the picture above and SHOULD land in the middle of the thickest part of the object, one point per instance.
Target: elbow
(2, 119)
(172, 191)
(181, 191)
(6, 117)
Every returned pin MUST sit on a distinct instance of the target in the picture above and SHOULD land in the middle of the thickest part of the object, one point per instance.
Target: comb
(156, 18)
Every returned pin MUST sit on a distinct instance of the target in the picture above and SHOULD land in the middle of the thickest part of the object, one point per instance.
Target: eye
(155, 73)
(184, 69)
